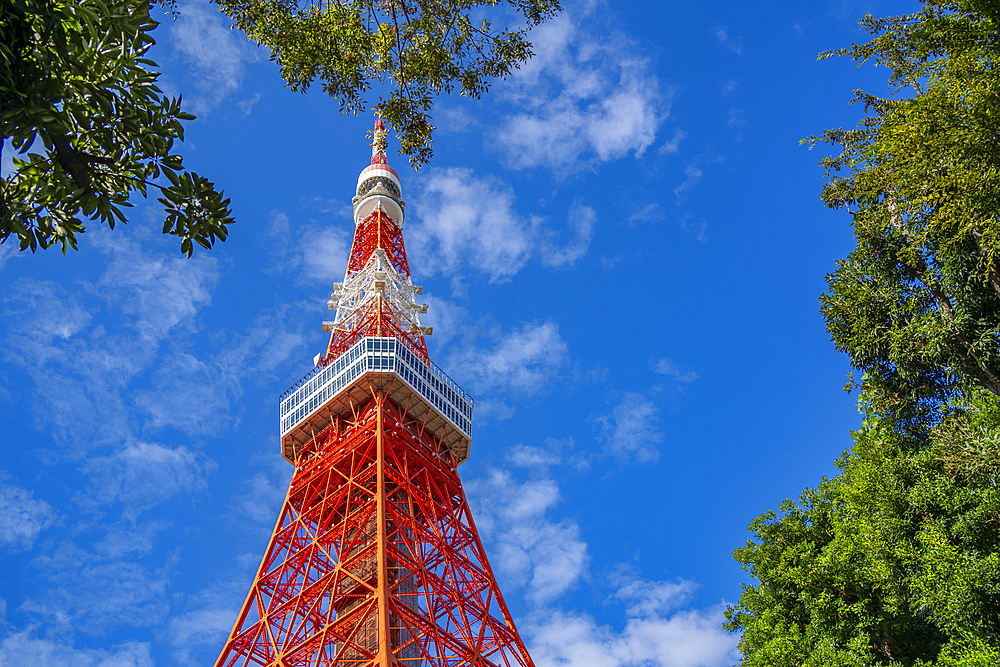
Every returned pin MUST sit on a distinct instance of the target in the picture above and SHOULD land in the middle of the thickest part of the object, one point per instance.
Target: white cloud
(691, 638)
(276, 240)
(658, 631)
(468, 222)
(673, 144)
(143, 475)
(323, 254)
(89, 593)
(209, 626)
(77, 377)
(729, 86)
(630, 432)
(197, 634)
(130, 537)
(722, 36)
(188, 394)
(157, 293)
(694, 174)
(263, 495)
(246, 106)
(738, 121)
(649, 213)
(521, 362)
(527, 456)
(588, 98)
(95, 371)
(454, 119)
(666, 366)
(546, 556)
(215, 55)
(582, 220)
(447, 317)
(8, 249)
(22, 517)
(696, 229)
(22, 649)
(649, 598)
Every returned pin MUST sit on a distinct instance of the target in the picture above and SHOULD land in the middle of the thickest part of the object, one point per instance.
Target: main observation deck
(381, 363)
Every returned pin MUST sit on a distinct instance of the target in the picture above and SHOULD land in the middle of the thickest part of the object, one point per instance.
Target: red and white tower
(375, 560)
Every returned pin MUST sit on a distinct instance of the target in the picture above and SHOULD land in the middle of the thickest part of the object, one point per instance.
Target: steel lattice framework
(375, 560)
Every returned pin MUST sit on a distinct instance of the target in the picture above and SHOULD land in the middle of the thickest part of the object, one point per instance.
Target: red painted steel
(378, 231)
(375, 559)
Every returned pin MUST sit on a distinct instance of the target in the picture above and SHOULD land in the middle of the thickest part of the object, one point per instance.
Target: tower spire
(375, 560)
(377, 297)
(379, 141)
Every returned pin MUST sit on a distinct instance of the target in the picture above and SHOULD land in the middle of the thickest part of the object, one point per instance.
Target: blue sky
(622, 247)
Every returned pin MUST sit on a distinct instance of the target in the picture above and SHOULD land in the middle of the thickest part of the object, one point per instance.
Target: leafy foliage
(917, 304)
(420, 48)
(896, 560)
(73, 77)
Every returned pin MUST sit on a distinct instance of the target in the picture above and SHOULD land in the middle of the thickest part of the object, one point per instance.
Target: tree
(415, 48)
(896, 560)
(916, 306)
(74, 78)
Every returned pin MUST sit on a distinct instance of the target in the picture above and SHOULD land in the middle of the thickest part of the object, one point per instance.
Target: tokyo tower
(375, 560)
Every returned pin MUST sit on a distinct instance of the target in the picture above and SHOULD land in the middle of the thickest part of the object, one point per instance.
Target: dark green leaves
(418, 49)
(193, 208)
(76, 90)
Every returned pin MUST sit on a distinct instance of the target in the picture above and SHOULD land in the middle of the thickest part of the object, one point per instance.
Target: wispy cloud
(22, 648)
(630, 431)
(726, 40)
(673, 144)
(246, 106)
(738, 121)
(666, 366)
(214, 54)
(698, 229)
(103, 592)
(22, 516)
(521, 362)
(582, 220)
(693, 175)
(208, 615)
(143, 475)
(728, 87)
(651, 212)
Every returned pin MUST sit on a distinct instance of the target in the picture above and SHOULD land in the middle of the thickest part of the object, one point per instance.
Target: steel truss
(375, 559)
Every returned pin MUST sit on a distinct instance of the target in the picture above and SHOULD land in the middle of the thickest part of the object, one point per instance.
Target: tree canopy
(916, 306)
(80, 107)
(896, 560)
(77, 89)
(412, 49)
